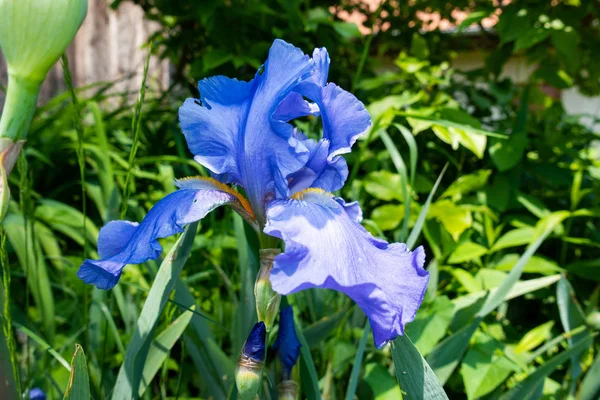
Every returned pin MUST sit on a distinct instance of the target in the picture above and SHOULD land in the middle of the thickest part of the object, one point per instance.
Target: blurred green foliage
(497, 322)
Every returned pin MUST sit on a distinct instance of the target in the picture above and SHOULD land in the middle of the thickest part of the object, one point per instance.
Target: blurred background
(504, 93)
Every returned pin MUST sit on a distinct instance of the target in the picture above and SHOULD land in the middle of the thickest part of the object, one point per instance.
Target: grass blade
(412, 148)
(446, 355)
(28, 249)
(590, 386)
(526, 388)
(416, 230)
(135, 129)
(415, 376)
(308, 371)
(161, 347)
(42, 344)
(498, 297)
(130, 374)
(79, 382)
(401, 168)
(356, 366)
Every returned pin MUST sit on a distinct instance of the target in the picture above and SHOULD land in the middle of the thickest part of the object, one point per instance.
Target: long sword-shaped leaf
(498, 297)
(79, 382)
(415, 376)
(356, 366)
(308, 372)
(590, 387)
(416, 230)
(526, 388)
(446, 355)
(160, 348)
(130, 374)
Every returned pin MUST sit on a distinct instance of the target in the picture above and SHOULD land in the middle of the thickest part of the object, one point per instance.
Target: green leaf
(388, 216)
(446, 355)
(485, 366)
(507, 153)
(215, 58)
(79, 382)
(384, 185)
(590, 386)
(467, 184)
(316, 333)
(130, 374)
(516, 237)
(535, 265)
(161, 347)
(34, 265)
(417, 380)
(535, 337)
(347, 30)
(431, 324)
(308, 371)
(401, 168)
(526, 388)
(356, 365)
(383, 385)
(466, 252)
(571, 317)
(498, 297)
(455, 218)
(416, 230)
(245, 310)
(43, 345)
(473, 18)
(8, 385)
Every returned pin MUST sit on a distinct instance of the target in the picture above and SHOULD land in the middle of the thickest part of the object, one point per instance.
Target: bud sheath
(267, 300)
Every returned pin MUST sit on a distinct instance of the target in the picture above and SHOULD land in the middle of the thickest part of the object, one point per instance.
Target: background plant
(499, 320)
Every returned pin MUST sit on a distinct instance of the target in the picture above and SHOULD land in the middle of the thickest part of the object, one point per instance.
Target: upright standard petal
(239, 130)
(123, 242)
(326, 248)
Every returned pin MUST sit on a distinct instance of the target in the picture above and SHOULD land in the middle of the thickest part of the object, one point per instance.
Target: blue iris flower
(241, 132)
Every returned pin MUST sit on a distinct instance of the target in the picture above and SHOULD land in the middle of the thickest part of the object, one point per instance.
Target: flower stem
(19, 107)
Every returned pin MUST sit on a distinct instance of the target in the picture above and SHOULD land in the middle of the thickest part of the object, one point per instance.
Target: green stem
(19, 106)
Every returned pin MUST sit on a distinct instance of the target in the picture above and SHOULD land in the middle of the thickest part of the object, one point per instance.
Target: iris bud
(251, 363)
(287, 344)
(593, 320)
(267, 300)
(33, 35)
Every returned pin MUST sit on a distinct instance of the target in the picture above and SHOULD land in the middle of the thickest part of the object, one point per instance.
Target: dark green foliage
(520, 193)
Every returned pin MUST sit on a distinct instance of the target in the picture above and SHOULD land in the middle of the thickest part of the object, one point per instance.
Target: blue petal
(319, 171)
(37, 394)
(239, 132)
(287, 344)
(344, 117)
(122, 242)
(254, 347)
(326, 248)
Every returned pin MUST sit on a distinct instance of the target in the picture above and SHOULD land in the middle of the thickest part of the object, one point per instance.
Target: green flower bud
(267, 300)
(287, 390)
(33, 35)
(593, 320)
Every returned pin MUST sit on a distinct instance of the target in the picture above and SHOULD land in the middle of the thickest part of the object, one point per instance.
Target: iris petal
(326, 248)
(237, 132)
(240, 130)
(123, 242)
